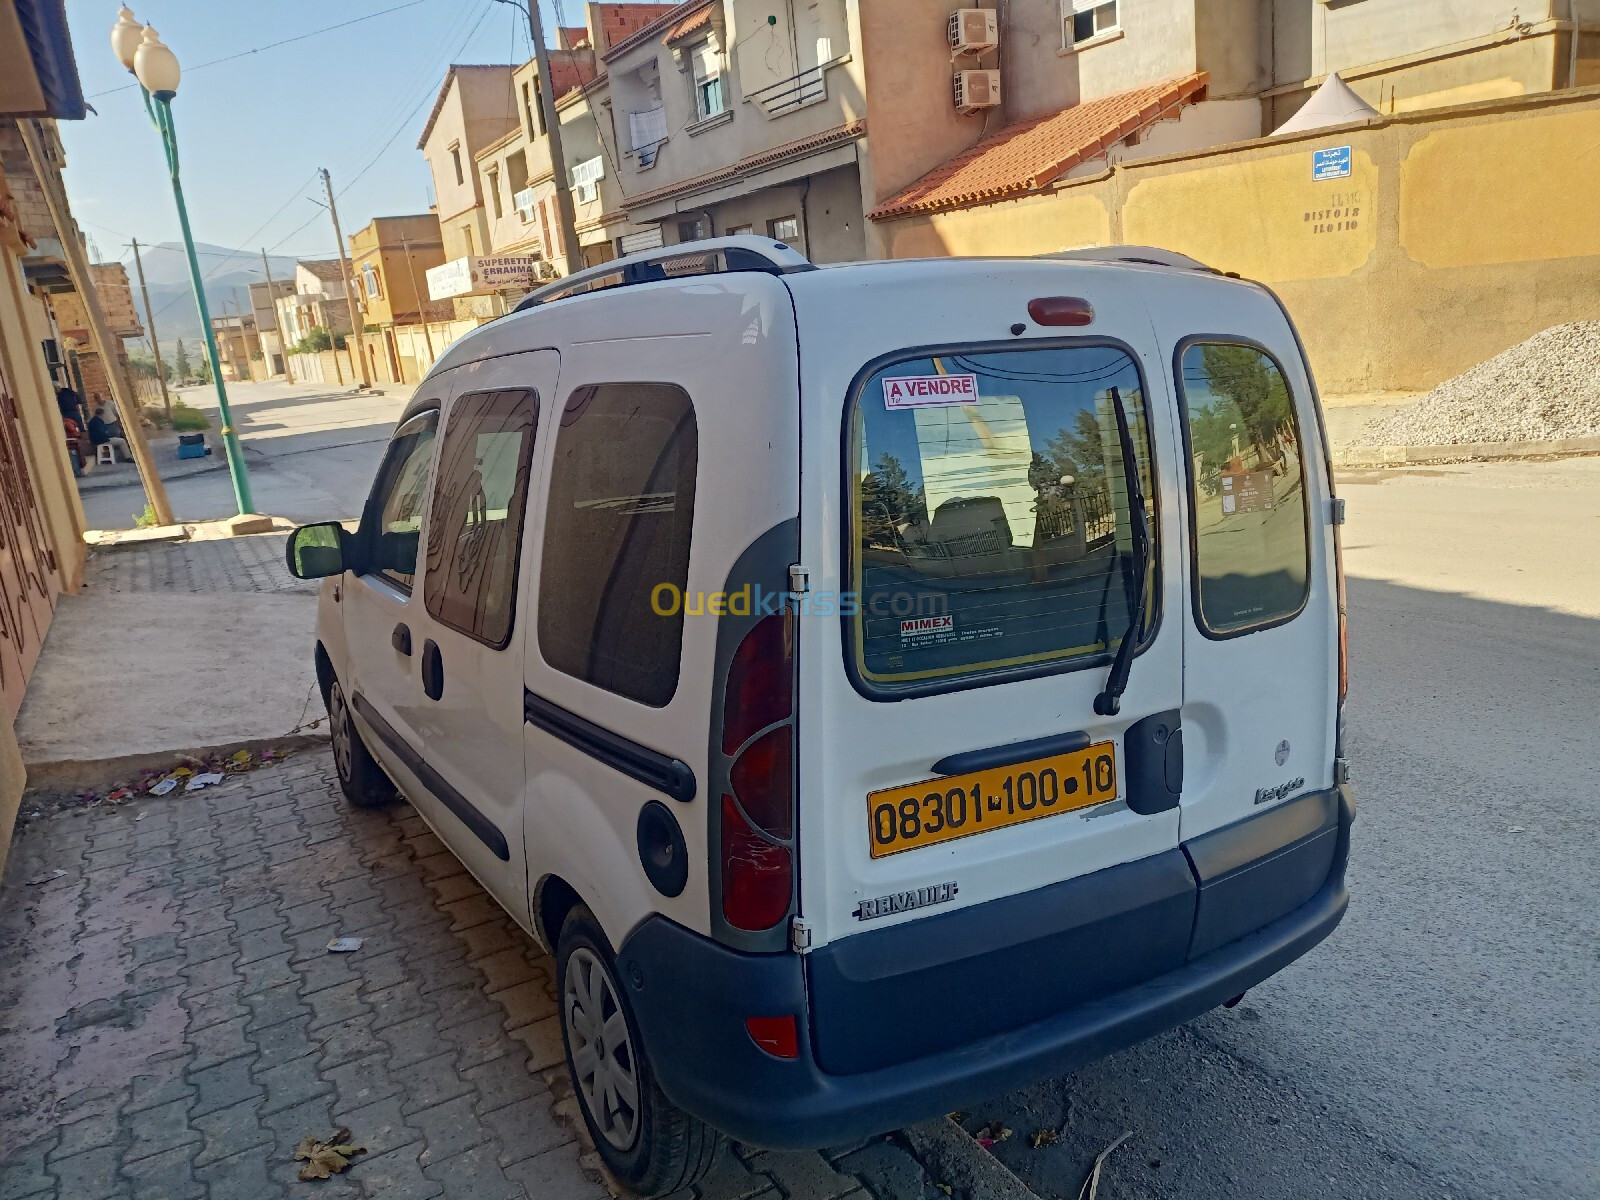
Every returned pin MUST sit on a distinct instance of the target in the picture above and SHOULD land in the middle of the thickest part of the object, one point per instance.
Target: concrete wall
(1459, 232)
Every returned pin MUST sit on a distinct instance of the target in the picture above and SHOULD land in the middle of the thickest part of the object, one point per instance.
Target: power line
(272, 45)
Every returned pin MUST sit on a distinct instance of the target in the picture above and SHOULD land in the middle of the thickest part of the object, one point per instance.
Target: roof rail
(708, 256)
(1153, 255)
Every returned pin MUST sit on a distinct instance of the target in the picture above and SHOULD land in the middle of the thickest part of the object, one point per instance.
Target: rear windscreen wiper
(1109, 702)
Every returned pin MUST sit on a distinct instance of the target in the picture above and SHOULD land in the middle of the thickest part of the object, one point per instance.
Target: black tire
(669, 1149)
(363, 780)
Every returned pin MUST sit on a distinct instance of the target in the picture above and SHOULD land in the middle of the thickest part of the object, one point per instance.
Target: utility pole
(349, 291)
(422, 305)
(245, 307)
(558, 159)
(99, 332)
(150, 328)
(277, 325)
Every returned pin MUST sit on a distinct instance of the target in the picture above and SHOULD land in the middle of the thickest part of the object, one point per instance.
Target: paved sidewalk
(173, 1024)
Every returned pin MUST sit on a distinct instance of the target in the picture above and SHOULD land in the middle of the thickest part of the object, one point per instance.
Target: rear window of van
(989, 514)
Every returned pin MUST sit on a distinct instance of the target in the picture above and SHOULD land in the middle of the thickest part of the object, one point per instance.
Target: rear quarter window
(989, 528)
(1247, 480)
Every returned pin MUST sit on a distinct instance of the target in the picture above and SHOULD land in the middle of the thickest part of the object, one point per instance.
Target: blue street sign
(1332, 163)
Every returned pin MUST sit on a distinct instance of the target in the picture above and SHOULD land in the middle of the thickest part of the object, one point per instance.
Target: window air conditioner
(977, 90)
(973, 30)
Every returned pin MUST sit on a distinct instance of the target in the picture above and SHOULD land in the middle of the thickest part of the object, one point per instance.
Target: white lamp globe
(125, 36)
(156, 65)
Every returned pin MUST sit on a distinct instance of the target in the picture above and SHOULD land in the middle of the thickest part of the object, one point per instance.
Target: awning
(38, 74)
(1331, 104)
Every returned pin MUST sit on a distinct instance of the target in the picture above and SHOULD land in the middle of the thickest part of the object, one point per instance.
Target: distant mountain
(226, 273)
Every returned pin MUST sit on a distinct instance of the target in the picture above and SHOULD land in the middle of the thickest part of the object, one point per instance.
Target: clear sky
(253, 131)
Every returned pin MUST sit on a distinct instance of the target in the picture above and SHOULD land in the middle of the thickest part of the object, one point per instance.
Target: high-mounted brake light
(1061, 310)
(778, 1036)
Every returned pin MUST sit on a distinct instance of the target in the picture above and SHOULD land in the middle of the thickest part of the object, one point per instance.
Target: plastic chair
(105, 452)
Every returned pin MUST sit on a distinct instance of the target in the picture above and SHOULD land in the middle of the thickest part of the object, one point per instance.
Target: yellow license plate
(958, 806)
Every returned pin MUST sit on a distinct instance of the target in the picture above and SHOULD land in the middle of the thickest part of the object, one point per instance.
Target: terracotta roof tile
(698, 19)
(753, 163)
(1033, 154)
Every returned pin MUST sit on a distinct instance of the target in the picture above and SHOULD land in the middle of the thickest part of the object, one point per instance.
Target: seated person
(102, 432)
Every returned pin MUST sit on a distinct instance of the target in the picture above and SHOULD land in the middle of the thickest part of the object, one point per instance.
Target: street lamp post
(156, 68)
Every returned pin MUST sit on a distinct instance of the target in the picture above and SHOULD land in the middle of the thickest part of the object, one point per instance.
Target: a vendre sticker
(928, 391)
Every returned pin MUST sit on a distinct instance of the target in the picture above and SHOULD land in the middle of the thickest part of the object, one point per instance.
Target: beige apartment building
(389, 262)
(744, 116)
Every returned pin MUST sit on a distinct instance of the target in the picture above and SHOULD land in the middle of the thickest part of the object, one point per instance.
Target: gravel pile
(1544, 389)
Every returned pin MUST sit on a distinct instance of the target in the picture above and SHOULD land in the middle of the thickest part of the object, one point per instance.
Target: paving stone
(222, 1085)
(218, 1043)
(383, 968)
(543, 1040)
(263, 974)
(168, 1176)
(208, 976)
(380, 1127)
(483, 940)
(285, 1041)
(262, 916)
(229, 1131)
(402, 1002)
(431, 1081)
(89, 1132)
(398, 1174)
(886, 1170)
(91, 1175)
(526, 1128)
(331, 1005)
(458, 1005)
(448, 1129)
(474, 1174)
(348, 1041)
(449, 888)
(291, 1083)
(260, 943)
(507, 968)
(730, 1179)
(156, 1130)
(23, 1174)
(246, 1174)
(483, 1040)
(302, 917)
(411, 1041)
(273, 1006)
(363, 1081)
(808, 1175)
(474, 911)
(526, 1003)
(557, 1173)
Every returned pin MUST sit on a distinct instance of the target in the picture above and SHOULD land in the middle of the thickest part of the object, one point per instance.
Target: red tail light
(760, 682)
(778, 1036)
(757, 875)
(763, 779)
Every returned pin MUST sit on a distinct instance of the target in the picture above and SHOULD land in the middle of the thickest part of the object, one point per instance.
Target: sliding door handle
(432, 670)
(401, 639)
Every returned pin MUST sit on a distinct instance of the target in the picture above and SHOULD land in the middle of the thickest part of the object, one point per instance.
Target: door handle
(432, 670)
(401, 639)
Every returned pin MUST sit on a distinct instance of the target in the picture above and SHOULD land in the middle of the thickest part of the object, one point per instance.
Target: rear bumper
(691, 996)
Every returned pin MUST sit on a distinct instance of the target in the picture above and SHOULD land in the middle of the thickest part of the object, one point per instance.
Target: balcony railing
(796, 92)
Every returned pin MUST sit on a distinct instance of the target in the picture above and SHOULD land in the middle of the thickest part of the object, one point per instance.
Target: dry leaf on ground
(326, 1159)
(1043, 1137)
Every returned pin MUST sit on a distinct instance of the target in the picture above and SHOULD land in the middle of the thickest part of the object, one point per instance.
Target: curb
(1399, 456)
(76, 775)
(951, 1156)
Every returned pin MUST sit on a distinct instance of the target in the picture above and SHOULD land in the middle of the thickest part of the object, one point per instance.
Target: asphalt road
(1445, 1041)
(312, 453)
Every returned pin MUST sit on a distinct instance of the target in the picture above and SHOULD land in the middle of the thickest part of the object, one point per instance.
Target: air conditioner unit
(977, 90)
(973, 30)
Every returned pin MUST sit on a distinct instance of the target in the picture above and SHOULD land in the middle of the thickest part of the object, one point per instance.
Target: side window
(1248, 483)
(475, 529)
(392, 521)
(620, 514)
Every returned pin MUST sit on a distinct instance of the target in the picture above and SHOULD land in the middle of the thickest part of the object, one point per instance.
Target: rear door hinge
(1336, 511)
(799, 579)
(800, 936)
